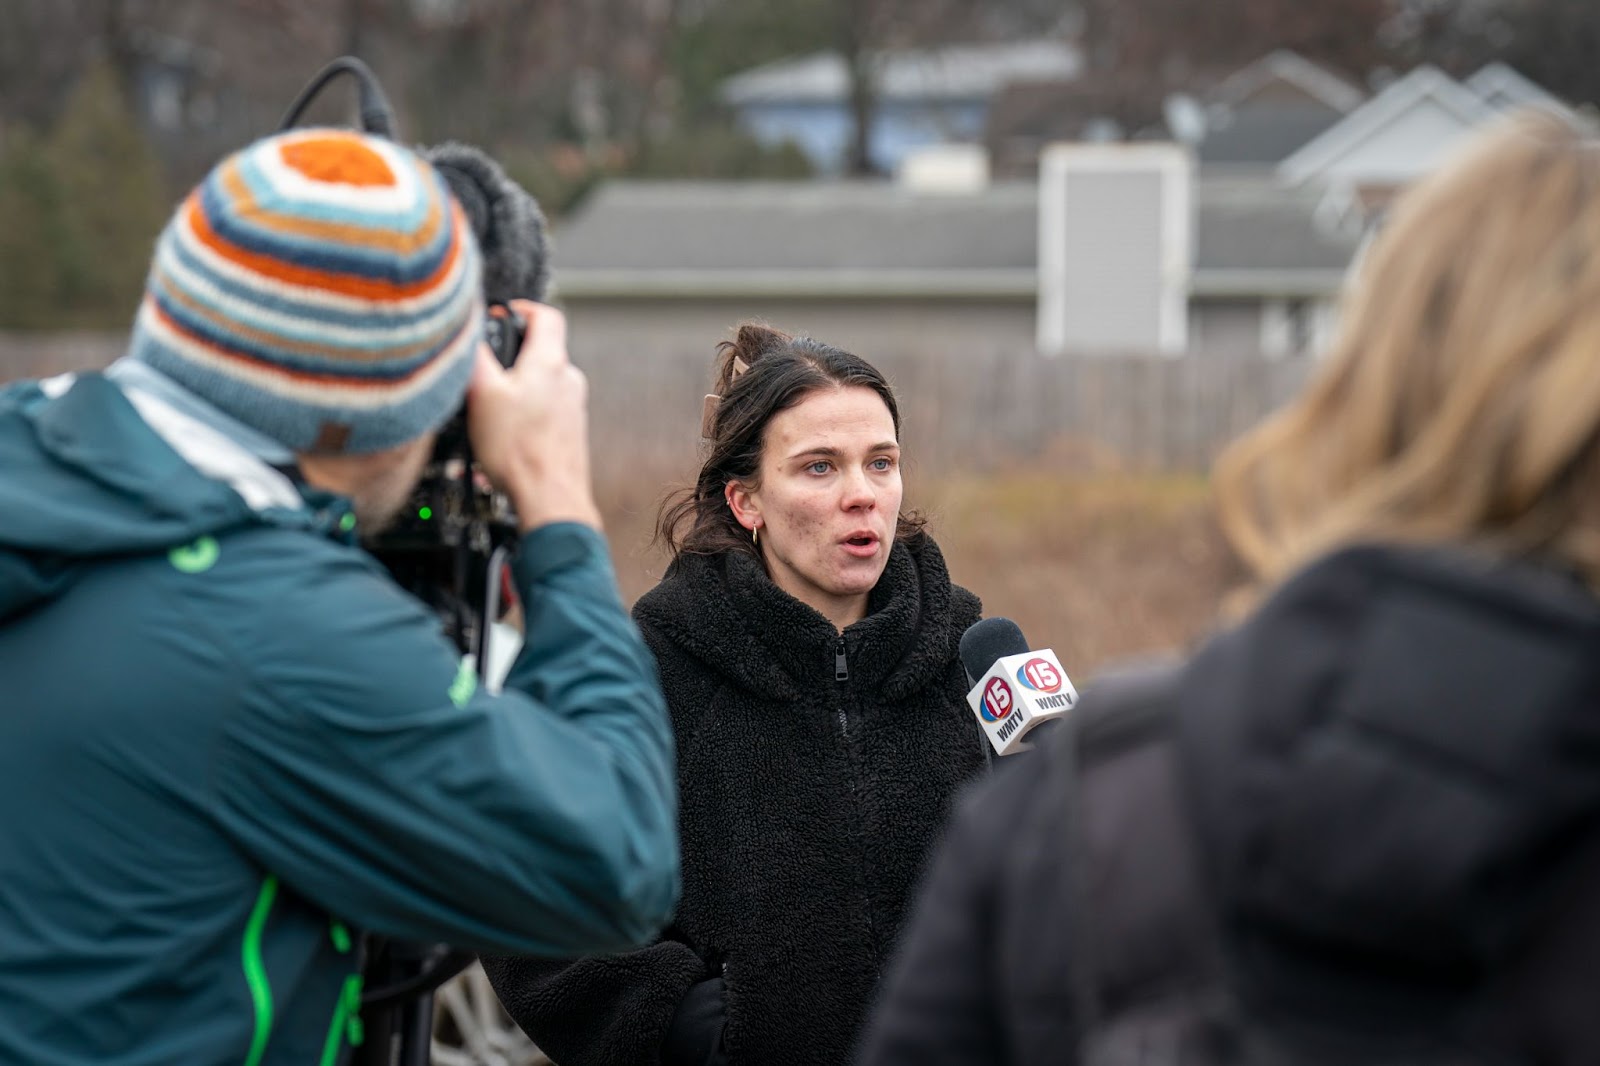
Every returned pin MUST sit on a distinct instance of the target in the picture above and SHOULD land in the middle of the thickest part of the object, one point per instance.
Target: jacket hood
(725, 611)
(1390, 760)
(92, 471)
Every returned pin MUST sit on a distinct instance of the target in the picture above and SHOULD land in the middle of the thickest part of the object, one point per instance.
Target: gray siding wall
(1225, 327)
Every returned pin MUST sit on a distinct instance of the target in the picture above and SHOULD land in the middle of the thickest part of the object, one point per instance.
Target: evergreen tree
(114, 199)
(79, 212)
(31, 235)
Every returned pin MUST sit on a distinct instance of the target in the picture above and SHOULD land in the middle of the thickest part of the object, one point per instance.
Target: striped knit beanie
(321, 286)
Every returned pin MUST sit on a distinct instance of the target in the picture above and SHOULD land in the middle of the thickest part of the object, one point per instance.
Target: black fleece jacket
(815, 772)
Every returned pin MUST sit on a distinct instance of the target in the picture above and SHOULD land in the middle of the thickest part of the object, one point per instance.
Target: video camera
(450, 545)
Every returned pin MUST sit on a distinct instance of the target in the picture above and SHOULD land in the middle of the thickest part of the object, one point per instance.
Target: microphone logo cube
(1018, 692)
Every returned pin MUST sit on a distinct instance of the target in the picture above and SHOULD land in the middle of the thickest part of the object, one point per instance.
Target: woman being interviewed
(807, 633)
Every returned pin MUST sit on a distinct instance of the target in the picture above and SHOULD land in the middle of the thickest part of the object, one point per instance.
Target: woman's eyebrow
(830, 452)
(820, 449)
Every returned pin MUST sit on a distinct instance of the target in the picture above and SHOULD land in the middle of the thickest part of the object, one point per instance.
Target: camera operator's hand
(530, 424)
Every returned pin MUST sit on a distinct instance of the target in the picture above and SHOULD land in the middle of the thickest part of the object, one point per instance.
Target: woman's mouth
(861, 545)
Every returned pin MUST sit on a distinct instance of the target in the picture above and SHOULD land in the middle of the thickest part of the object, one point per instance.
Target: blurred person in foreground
(807, 632)
(230, 743)
(1364, 824)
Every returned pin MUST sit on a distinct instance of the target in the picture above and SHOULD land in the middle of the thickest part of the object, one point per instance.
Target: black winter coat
(1392, 773)
(815, 772)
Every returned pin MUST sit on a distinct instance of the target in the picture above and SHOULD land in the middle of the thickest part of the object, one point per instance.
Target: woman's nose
(858, 492)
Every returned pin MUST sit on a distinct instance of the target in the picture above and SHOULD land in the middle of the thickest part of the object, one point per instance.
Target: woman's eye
(882, 463)
(818, 467)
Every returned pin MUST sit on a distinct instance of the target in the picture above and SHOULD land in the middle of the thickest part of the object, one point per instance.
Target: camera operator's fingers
(487, 373)
(529, 424)
(544, 345)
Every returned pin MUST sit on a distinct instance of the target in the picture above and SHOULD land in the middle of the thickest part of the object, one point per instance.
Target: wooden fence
(981, 410)
(967, 410)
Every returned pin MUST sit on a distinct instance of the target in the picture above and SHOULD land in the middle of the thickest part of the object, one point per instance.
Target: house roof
(1254, 116)
(1424, 85)
(1501, 87)
(1254, 235)
(1318, 83)
(844, 237)
(854, 239)
(959, 72)
(1263, 133)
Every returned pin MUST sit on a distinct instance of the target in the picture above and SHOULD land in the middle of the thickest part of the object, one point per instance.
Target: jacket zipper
(841, 676)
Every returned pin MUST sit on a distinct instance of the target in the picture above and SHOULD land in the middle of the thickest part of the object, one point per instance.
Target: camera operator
(229, 743)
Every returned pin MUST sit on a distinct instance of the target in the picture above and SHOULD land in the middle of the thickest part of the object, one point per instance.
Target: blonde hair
(1460, 401)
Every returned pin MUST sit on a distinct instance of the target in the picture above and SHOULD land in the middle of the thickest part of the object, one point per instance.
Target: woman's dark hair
(761, 372)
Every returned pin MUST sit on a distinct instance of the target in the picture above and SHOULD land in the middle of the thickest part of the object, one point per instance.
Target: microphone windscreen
(987, 640)
(507, 221)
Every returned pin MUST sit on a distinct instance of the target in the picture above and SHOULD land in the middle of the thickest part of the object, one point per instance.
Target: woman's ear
(743, 503)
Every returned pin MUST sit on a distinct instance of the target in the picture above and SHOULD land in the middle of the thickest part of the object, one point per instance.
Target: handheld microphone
(1014, 688)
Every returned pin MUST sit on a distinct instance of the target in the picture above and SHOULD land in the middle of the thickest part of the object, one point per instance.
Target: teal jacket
(229, 744)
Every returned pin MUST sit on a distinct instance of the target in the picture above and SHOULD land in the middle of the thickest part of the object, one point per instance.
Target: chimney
(1115, 233)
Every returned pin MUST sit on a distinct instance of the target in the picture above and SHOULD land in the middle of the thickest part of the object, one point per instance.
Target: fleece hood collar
(725, 611)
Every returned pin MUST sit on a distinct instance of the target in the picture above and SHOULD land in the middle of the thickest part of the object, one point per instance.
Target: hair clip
(708, 415)
(708, 410)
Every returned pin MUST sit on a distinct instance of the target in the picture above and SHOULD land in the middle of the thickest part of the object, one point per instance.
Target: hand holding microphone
(1014, 688)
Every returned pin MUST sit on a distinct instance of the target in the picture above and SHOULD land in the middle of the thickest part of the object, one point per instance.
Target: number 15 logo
(1040, 675)
(997, 699)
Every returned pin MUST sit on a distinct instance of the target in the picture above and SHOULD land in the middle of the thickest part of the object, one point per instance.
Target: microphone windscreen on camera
(506, 219)
(987, 640)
